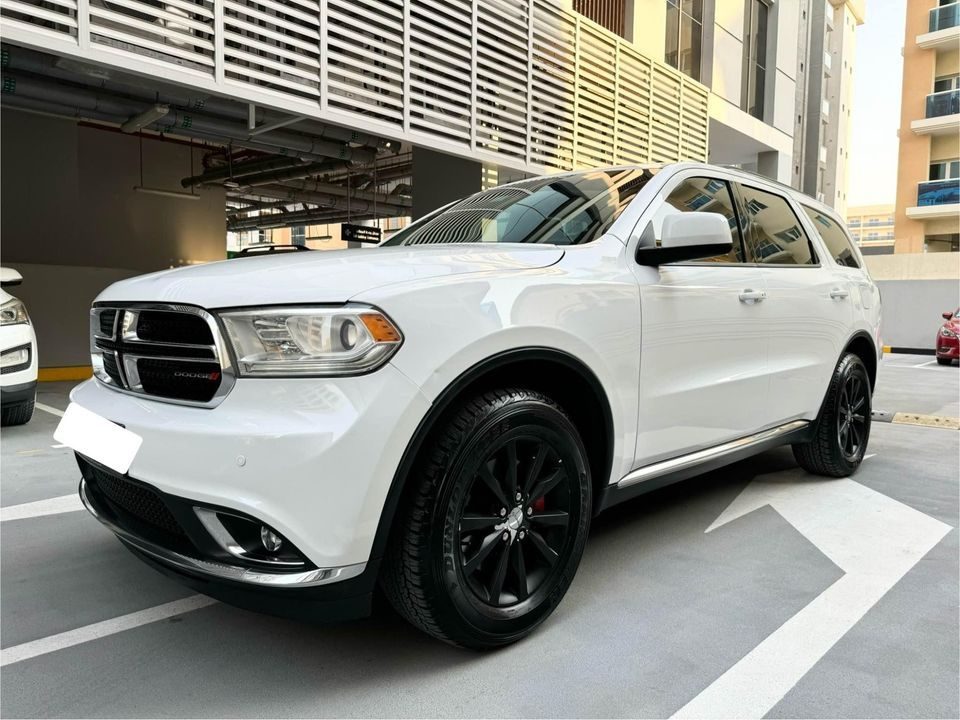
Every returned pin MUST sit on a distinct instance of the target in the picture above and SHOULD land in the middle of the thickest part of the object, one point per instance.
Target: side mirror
(948, 316)
(689, 236)
(10, 277)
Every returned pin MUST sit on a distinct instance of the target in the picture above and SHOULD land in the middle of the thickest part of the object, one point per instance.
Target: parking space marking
(48, 409)
(34, 648)
(926, 364)
(52, 506)
(873, 538)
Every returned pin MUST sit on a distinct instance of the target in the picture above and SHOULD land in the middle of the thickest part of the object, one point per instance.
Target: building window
(298, 235)
(754, 57)
(945, 170)
(946, 83)
(684, 36)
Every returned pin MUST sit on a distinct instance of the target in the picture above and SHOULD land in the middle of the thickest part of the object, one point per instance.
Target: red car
(948, 346)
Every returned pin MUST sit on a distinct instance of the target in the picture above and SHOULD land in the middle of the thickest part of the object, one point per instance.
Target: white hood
(322, 276)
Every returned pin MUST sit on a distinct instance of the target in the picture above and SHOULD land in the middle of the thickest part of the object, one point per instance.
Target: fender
(451, 393)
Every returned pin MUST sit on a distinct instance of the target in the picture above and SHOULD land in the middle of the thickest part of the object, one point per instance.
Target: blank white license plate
(98, 438)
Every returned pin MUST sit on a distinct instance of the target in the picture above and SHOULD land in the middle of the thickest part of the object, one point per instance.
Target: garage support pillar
(439, 179)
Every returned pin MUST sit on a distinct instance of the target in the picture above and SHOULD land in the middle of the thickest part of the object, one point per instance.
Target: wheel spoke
(858, 404)
(471, 523)
(488, 544)
(500, 574)
(540, 544)
(535, 468)
(520, 571)
(547, 484)
(855, 438)
(511, 468)
(491, 482)
(553, 517)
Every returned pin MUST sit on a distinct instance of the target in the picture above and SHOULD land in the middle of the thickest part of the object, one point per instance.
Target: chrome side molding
(699, 457)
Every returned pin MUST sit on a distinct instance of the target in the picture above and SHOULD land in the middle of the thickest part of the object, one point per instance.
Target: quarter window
(834, 237)
(698, 195)
(774, 235)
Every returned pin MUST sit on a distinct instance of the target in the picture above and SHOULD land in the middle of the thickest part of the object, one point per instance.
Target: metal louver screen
(524, 84)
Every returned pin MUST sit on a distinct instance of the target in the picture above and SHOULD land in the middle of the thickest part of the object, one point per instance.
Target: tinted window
(834, 238)
(773, 233)
(698, 195)
(560, 210)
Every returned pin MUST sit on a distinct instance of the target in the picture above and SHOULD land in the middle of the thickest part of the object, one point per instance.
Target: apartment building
(824, 97)
(780, 76)
(872, 228)
(928, 173)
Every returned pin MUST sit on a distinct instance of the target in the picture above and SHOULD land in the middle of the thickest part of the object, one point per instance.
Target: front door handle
(752, 297)
(839, 294)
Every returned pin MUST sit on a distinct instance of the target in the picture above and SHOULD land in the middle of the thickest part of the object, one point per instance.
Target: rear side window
(834, 237)
(774, 235)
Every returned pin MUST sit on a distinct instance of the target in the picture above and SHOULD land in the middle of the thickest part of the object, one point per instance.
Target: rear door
(703, 356)
(807, 314)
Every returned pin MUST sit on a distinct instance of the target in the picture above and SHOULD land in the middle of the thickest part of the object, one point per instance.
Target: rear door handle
(839, 294)
(752, 296)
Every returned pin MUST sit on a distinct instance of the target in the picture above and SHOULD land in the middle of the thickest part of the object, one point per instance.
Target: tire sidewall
(497, 626)
(850, 366)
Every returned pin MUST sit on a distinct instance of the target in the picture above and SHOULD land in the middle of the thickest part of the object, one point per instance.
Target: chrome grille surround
(125, 348)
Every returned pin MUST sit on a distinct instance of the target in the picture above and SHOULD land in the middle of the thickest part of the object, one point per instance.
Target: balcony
(945, 17)
(937, 199)
(944, 28)
(942, 114)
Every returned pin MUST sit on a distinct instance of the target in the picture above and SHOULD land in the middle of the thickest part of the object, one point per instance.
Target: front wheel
(494, 522)
(944, 361)
(18, 414)
(843, 428)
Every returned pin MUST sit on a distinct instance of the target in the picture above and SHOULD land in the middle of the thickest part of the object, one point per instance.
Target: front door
(703, 358)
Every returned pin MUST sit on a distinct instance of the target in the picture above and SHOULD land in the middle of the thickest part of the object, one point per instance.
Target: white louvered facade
(524, 84)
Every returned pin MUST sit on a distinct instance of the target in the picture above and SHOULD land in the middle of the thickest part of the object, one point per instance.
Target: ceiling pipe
(186, 123)
(294, 173)
(240, 170)
(17, 58)
(301, 187)
(333, 196)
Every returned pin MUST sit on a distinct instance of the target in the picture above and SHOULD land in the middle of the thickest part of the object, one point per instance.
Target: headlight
(947, 332)
(346, 340)
(14, 312)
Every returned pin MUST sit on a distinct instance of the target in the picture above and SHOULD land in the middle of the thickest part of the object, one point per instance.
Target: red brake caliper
(539, 504)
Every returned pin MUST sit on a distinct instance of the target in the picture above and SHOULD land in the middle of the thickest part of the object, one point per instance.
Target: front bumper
(948, 347)
(312, 458)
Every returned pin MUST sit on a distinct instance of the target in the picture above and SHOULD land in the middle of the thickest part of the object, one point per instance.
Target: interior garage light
(166, 193)
(147, 117)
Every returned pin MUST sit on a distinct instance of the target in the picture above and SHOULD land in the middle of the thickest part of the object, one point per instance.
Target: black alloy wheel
(494, 520)
(854, 404)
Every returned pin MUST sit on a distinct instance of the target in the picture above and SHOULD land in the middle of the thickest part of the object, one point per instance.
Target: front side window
(835, 238)
(698, 195)
(754, 57)
(774, 235)
(567, 209)
(684, 39)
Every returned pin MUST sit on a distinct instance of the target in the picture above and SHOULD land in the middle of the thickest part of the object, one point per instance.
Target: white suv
(18, 355)
(444, 415)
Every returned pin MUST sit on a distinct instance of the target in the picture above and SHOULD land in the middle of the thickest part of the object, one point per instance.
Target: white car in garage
(18, 355)
(444, 415)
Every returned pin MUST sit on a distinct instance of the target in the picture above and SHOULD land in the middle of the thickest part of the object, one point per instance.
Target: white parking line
(53, 506)
(931, 362)
(48, 409)
(19, 653)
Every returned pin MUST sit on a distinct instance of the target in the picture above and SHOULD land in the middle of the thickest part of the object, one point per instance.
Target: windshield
(568, 209)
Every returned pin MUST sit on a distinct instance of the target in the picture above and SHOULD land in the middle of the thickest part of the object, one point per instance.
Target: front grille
(196, 381)
(173, 327)
(164, 351)
(110, 367)
(106, 322)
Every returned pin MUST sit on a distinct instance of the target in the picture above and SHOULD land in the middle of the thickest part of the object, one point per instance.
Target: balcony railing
(945, 16)
(943, 103)
(939, 192)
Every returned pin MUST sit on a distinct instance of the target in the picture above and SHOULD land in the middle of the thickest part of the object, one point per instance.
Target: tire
(469, 563)
(944, 361)
(842, 430)
(18, 414)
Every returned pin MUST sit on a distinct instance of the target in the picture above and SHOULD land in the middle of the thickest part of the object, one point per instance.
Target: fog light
(19, 356)
(271, 541)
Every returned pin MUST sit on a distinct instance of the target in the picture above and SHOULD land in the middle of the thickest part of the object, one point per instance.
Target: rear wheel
(494, 523)
(18, 414)
(843, 428)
